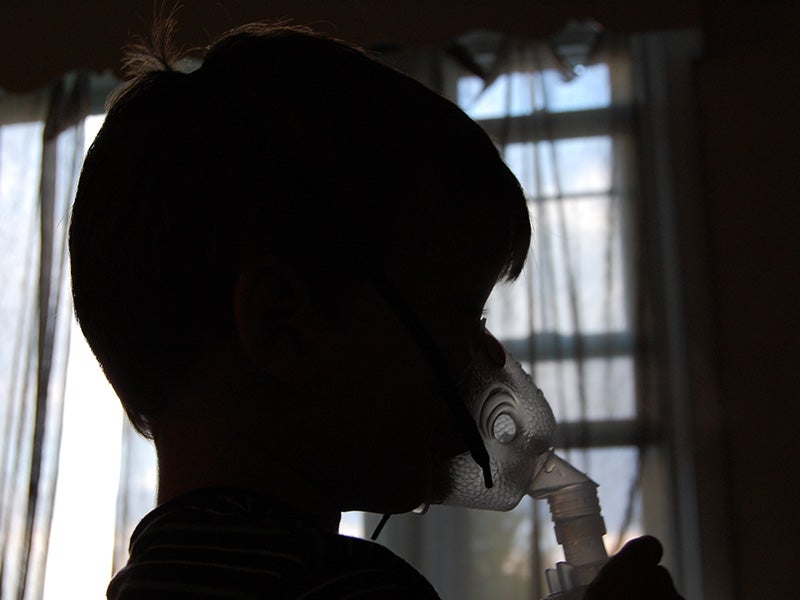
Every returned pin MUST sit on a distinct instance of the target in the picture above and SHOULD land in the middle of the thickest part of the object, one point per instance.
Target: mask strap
(379, 527)
(447, 387)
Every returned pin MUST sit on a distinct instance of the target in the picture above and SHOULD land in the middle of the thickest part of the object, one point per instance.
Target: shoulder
(222, 547)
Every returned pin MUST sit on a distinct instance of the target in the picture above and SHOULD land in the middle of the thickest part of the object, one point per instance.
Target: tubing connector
(579, 526)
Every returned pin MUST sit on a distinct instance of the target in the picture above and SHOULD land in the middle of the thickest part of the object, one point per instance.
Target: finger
(659, 579)
(638, 554)
(628, 568)
(628, 581)
(653, 584)
(645, 550)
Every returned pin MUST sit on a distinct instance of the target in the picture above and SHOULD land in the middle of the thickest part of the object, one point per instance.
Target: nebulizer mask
(516, 426)
(509, 426)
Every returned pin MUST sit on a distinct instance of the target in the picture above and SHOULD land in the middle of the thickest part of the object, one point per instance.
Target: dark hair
(283, 142)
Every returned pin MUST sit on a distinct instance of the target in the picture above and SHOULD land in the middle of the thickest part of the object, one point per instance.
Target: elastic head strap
(445, 382)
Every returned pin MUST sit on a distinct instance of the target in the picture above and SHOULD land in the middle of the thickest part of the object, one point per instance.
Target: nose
(494, 349)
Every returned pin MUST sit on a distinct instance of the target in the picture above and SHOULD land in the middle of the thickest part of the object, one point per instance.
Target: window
(89, 468)
(41, 147)
(571, 318)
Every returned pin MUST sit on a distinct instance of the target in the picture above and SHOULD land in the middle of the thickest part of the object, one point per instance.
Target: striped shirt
(225, 543)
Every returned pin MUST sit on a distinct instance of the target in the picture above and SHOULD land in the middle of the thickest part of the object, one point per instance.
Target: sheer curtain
(62, 425)
(566, 131)
(41, 148)
(580, 318)
(563, 115)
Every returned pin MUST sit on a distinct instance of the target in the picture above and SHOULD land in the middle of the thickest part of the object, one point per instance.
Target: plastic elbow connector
(579, 526)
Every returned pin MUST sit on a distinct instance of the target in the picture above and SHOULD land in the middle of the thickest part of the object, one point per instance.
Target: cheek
(399, 410)
(379, 390)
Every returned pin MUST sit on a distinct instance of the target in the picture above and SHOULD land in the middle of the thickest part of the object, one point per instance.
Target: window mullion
(573, 124)
(550, 345)
(604, 434)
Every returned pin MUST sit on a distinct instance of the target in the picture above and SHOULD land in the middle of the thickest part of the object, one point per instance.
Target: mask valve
(504, 428)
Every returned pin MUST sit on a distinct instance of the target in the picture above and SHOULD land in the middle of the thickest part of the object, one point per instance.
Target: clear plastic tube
(578, 524)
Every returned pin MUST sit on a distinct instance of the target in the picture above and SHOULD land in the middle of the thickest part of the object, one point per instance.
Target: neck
(202, 457)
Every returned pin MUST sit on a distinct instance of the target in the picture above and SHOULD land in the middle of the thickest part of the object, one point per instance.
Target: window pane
(508, 310)
(608, 385)
(577, 264)
(565, 167)
(523, 92)
(510, 94)
(82, 537)
(592, 89)
(576, 278)
(500, 544)
(352, 524)
(20, 152)
(81, 545)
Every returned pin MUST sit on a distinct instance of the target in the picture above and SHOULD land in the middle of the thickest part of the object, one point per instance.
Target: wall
(751, 212)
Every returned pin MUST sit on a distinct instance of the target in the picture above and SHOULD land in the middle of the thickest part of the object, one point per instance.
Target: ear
(269, 298)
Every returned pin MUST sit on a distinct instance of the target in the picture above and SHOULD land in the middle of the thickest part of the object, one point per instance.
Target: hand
(633, 573)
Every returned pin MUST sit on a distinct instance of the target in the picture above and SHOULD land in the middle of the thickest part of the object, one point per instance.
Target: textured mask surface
(517, 426)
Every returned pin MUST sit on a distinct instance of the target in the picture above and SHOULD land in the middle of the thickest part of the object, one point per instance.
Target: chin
(398, 503)
(402, 494)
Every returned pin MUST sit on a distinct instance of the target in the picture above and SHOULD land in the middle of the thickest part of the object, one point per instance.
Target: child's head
(286, 149)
